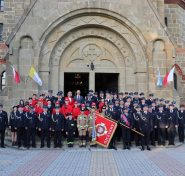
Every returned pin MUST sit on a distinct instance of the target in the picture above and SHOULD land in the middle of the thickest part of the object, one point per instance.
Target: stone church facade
(125, 38)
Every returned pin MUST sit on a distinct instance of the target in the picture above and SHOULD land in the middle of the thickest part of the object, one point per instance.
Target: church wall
(176, 25)
(145, 21)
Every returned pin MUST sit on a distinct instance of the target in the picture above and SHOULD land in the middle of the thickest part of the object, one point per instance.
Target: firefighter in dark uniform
(13, 125)
(145, 127)
(31, 125)
(60, 98)
(150, 100)
(136, 117)
(172, 124)
(3, 124)
(51, 97)
(70, 129)
(117, 110)
(21, 124)
(181, 121)
(161, 125)
(153, 119)
(58, 123)
(45, 126)
(126, 119)
(111, 113)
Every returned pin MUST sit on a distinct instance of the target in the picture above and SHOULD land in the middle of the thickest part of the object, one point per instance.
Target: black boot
(142, 148)
(148, 148)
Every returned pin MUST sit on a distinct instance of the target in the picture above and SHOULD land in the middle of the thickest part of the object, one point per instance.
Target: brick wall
(13, 10)
(176, 25)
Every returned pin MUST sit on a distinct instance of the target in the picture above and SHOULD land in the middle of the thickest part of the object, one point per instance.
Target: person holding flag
(126, 119)
(111, 113)
(91, 124)
(82, 126)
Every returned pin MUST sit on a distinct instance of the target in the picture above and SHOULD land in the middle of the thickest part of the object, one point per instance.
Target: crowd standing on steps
(58, 118)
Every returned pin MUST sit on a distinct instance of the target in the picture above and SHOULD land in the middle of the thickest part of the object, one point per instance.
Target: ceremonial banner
(105, 129)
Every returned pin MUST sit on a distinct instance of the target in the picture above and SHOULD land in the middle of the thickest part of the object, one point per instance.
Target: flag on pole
(16, 75)
(105, 129)
(159, 79)
(169, 77)
(34, 75)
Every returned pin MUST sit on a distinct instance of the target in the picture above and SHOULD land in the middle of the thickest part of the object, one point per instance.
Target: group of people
(140, 119)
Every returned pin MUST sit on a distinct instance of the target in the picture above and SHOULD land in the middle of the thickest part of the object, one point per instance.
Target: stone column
(92, 80)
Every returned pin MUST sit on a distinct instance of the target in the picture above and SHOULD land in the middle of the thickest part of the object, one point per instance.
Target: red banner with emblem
(105, 129)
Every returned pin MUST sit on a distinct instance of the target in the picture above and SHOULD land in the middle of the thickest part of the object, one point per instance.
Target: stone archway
(106, 55)
(122, 52)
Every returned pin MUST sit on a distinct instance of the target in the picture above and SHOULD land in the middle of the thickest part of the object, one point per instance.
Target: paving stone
(92, 162)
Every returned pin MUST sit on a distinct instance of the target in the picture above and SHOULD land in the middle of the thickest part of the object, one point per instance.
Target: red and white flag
(16, 75)
(169, 77)
(105, 129)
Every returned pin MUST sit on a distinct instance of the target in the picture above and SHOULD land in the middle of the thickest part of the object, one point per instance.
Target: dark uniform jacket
(181, 118)
(70, 126)
(112, 114)
(161, 119)
(129, 118)
(136, 117)
(172, 119)
(3, 120)
(58, 122)
(13, 120)
(21, 120)
(31, 120)
(45, 121)
(145, 122)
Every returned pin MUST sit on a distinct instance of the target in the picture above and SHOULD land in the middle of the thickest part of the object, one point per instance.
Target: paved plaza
(94, 161)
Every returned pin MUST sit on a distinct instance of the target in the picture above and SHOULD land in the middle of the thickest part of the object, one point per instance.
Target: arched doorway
(83, 40)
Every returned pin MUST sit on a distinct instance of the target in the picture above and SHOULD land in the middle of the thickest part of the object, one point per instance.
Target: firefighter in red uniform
(39, 107)
(26, 107)
(75, 114)
(34, 100)
(76, 110)
(66, 108)
(70, 99)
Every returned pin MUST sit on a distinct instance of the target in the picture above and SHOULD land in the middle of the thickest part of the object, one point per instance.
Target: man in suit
(78, 97)
(3, 124)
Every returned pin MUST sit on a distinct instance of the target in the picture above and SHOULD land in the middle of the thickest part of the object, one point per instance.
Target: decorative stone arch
(59, 36)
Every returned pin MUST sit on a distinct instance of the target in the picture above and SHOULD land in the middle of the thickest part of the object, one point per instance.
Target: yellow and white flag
(34, 75)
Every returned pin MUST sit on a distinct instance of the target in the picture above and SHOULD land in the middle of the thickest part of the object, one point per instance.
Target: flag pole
(118, 122)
